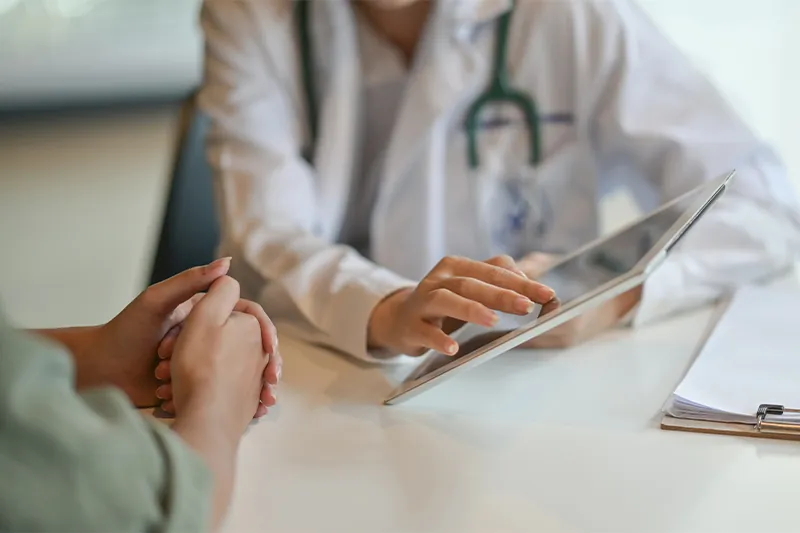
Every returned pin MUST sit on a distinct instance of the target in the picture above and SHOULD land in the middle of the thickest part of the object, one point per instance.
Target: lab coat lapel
(340, 120)
(449, 65)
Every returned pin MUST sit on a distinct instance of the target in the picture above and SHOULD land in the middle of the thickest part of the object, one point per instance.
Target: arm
(78, 341)
(218, 450)
(87, 463)
(657, 120)
(267, 192)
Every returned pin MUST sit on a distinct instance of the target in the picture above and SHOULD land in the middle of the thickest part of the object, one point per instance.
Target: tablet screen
(574, 277)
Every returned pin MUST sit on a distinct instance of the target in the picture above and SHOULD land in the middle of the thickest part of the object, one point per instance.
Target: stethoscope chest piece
(517, 212)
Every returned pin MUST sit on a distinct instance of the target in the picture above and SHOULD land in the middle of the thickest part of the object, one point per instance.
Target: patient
(82, 459)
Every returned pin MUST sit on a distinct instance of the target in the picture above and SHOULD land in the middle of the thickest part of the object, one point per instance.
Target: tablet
(591, 275)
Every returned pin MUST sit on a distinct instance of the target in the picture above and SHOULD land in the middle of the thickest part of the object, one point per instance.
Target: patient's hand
(272, 372)
(122, 353)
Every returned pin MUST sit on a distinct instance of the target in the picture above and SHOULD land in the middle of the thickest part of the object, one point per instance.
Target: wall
(751, 49)
(80, 209)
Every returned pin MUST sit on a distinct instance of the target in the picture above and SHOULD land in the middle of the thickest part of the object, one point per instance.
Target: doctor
(358, 143)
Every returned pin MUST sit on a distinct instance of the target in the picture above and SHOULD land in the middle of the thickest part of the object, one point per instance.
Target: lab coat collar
(468, 14)
(446, 70)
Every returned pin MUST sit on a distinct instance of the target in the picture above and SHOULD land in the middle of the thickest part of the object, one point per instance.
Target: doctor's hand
(581, 328)
(455, 292)
(535, 264)
(588, 325)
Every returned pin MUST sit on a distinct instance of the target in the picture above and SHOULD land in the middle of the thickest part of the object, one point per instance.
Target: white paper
(752, 357)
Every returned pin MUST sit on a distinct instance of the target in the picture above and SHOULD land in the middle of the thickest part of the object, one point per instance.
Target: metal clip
(769, 426)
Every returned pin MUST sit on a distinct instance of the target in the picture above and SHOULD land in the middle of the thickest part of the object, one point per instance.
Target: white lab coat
(643, 118)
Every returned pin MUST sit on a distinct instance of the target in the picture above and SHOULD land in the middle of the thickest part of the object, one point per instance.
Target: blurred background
(91, 93)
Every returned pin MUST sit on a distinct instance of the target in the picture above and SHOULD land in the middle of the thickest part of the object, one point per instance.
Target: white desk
(548, 442)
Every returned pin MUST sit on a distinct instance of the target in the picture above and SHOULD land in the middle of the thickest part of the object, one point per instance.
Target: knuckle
(231, 283)
(436, 296)
(251, 322)
(445, 262)
(475, 311)
(149, 297)
(495, 277)
(450, 262)
(459, 285)
(257, 309)
(501, 260)
(508, 298)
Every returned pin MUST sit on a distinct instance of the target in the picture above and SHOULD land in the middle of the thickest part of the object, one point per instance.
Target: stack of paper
(751, 358)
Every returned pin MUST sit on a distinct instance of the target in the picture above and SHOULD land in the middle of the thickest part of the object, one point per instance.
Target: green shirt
(87, 462)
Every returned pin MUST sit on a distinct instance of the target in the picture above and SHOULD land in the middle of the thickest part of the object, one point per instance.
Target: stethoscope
(499, 90)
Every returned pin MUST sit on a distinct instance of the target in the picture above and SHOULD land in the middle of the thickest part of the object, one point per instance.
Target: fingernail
(224, 261)
(490, 319)
(523, 305)
(160, 393)
(278, 373)
(546, 293)
(451, 348)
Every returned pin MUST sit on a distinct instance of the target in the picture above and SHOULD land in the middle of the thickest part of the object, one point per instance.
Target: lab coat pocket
(515, 211)
(550, 207)
(514, 202)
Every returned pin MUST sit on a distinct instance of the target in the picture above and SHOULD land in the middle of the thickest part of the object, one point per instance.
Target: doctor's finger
(432, 338)
(536, 263)
(507, 262)
(444, 303)
(506, 279)
(489, 296)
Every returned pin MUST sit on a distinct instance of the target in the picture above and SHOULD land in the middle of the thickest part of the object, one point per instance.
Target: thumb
(164, 297)
(537, 263)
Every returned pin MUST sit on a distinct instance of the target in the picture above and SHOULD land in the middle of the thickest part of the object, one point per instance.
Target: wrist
(207, 410)
(77, 341)
(205, 429)
(82, 343)
(216, 448)
(381, 320)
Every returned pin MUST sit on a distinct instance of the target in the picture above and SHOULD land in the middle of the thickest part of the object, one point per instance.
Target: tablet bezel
(619, 285)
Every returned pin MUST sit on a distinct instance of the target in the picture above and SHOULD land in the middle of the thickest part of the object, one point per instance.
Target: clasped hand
(174, 336)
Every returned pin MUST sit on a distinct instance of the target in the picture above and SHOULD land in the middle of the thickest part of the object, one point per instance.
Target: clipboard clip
(765, 422)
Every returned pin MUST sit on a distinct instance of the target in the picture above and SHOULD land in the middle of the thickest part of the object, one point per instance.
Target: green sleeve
(90, 462)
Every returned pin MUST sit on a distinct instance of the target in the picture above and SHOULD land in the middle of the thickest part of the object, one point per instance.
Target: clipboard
(772, 422)
(778, 419)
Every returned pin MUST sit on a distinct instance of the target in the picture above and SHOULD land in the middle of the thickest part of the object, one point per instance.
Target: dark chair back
(189, 231)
